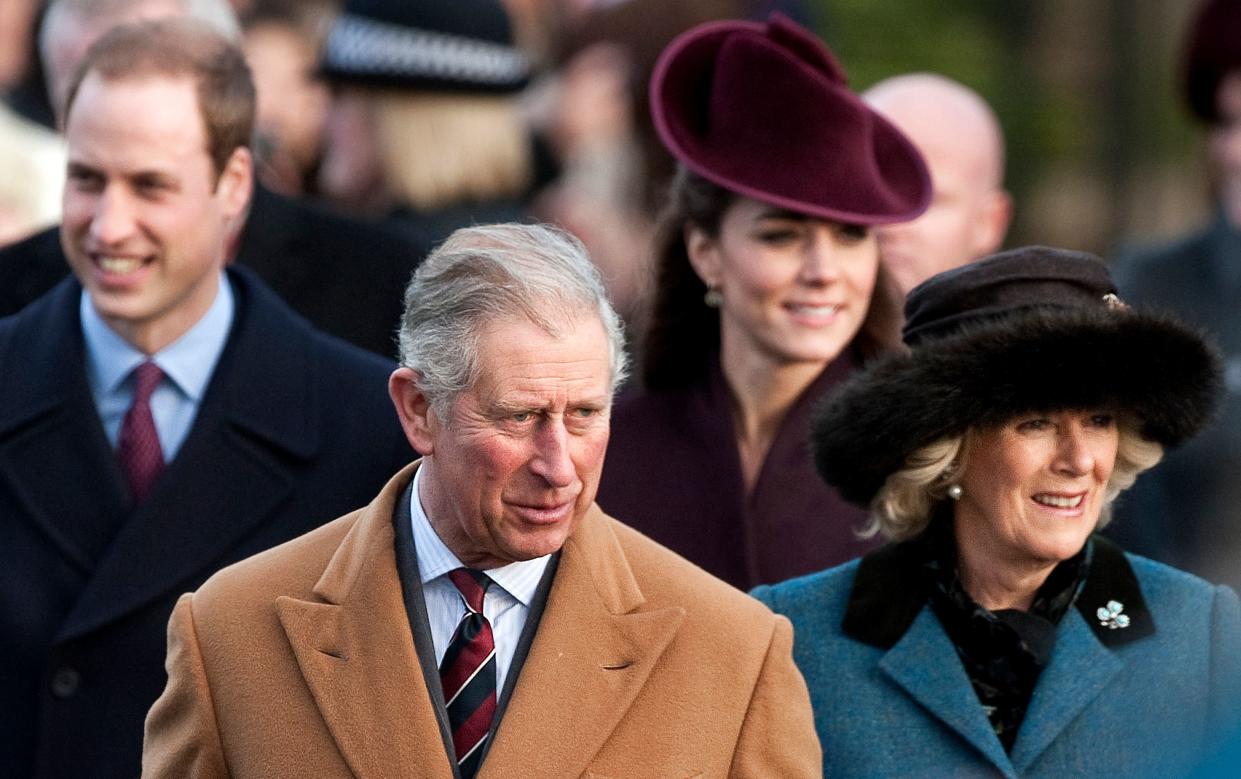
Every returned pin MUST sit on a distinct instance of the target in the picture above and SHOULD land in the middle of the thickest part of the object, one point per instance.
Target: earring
(713, 297)
(954, 491)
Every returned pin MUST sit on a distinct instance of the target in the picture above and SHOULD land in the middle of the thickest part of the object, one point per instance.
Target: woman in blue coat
(996, 634)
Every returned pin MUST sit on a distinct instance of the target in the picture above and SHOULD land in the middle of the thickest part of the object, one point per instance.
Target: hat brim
(1153, 367)
(381, 53)
(891, 185)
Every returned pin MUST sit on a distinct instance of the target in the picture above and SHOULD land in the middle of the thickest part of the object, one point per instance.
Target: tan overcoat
(299, 662)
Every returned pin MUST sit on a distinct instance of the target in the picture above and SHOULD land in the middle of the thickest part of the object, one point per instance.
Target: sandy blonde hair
(439, 149)
(902, 507)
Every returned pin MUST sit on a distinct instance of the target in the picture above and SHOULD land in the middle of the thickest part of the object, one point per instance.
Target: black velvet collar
(891, 588)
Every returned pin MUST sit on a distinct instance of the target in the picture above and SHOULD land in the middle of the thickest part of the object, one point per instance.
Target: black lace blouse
(1003, 651)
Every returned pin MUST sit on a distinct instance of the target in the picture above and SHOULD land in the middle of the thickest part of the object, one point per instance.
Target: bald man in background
(961, 140)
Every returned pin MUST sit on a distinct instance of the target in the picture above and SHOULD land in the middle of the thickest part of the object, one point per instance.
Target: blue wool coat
(892, 698)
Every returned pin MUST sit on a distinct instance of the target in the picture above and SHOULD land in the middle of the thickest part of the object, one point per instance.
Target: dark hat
(1212, 50)
(1032, 329)
(764, 110)
(443, 45)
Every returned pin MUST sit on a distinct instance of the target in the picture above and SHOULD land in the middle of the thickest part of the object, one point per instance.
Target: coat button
(65, 682)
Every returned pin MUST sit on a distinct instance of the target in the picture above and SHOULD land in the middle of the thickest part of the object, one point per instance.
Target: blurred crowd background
(1101, 152)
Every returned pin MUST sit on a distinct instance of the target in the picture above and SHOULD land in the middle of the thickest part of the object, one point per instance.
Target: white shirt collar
(435, 559)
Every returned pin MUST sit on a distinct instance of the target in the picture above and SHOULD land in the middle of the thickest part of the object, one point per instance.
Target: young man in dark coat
(343, 274)
(161, 416)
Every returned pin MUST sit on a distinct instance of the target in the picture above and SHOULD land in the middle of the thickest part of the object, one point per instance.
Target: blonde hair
(902, 507)
(440, 149)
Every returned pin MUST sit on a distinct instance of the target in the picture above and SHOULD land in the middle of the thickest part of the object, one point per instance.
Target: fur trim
(1154, 367)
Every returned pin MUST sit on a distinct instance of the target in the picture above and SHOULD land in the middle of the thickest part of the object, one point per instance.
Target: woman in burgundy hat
(766, 264)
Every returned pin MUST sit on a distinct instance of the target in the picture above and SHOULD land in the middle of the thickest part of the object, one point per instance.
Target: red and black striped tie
(468, 673)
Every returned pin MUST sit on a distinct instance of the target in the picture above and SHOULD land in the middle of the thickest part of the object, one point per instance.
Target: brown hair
(684, 332)
(179, 47)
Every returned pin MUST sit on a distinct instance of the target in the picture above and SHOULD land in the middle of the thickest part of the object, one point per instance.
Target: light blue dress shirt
(507, 603)
(187, 363)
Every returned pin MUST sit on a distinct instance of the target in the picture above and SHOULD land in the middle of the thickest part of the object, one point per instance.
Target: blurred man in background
(1187, 512)
(70, 26)
(961, 140)
(282, 41)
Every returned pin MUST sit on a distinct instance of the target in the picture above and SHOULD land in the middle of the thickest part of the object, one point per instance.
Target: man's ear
(993, 222)
(236, 182)
(413, 408)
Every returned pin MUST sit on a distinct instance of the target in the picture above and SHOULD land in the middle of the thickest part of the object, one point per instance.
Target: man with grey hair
(961, 140)
(482, 610)
(69, 27)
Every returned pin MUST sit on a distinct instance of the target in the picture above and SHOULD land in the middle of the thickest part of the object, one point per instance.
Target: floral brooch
(1112, 616)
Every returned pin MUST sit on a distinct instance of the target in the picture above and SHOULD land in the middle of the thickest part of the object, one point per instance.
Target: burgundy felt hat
(763, 110)
(1212, 51)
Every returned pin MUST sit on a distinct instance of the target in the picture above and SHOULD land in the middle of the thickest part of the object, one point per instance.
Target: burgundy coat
(673, 472)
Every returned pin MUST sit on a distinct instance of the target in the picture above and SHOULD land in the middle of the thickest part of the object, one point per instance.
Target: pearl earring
(713, 297)
(954, 491)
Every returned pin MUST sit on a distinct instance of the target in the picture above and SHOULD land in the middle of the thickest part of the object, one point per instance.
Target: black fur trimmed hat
(1032, 329)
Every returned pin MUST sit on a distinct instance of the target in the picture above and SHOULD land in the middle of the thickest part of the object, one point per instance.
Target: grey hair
(219, 14)
(489, 273)
(902, 507)
(102, 15)
(98, 16)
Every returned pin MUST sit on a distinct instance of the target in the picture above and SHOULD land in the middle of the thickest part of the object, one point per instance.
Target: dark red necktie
(138, 450)
(468, 673)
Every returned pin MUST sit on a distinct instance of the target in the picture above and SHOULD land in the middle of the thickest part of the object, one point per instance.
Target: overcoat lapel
(53, 451)
(68, 482)
(925, 663)
(424, 644)
(233, 469)
(1084, 661)
(416, 612)
(591, 656)
(357, 655)
(1081, 668)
